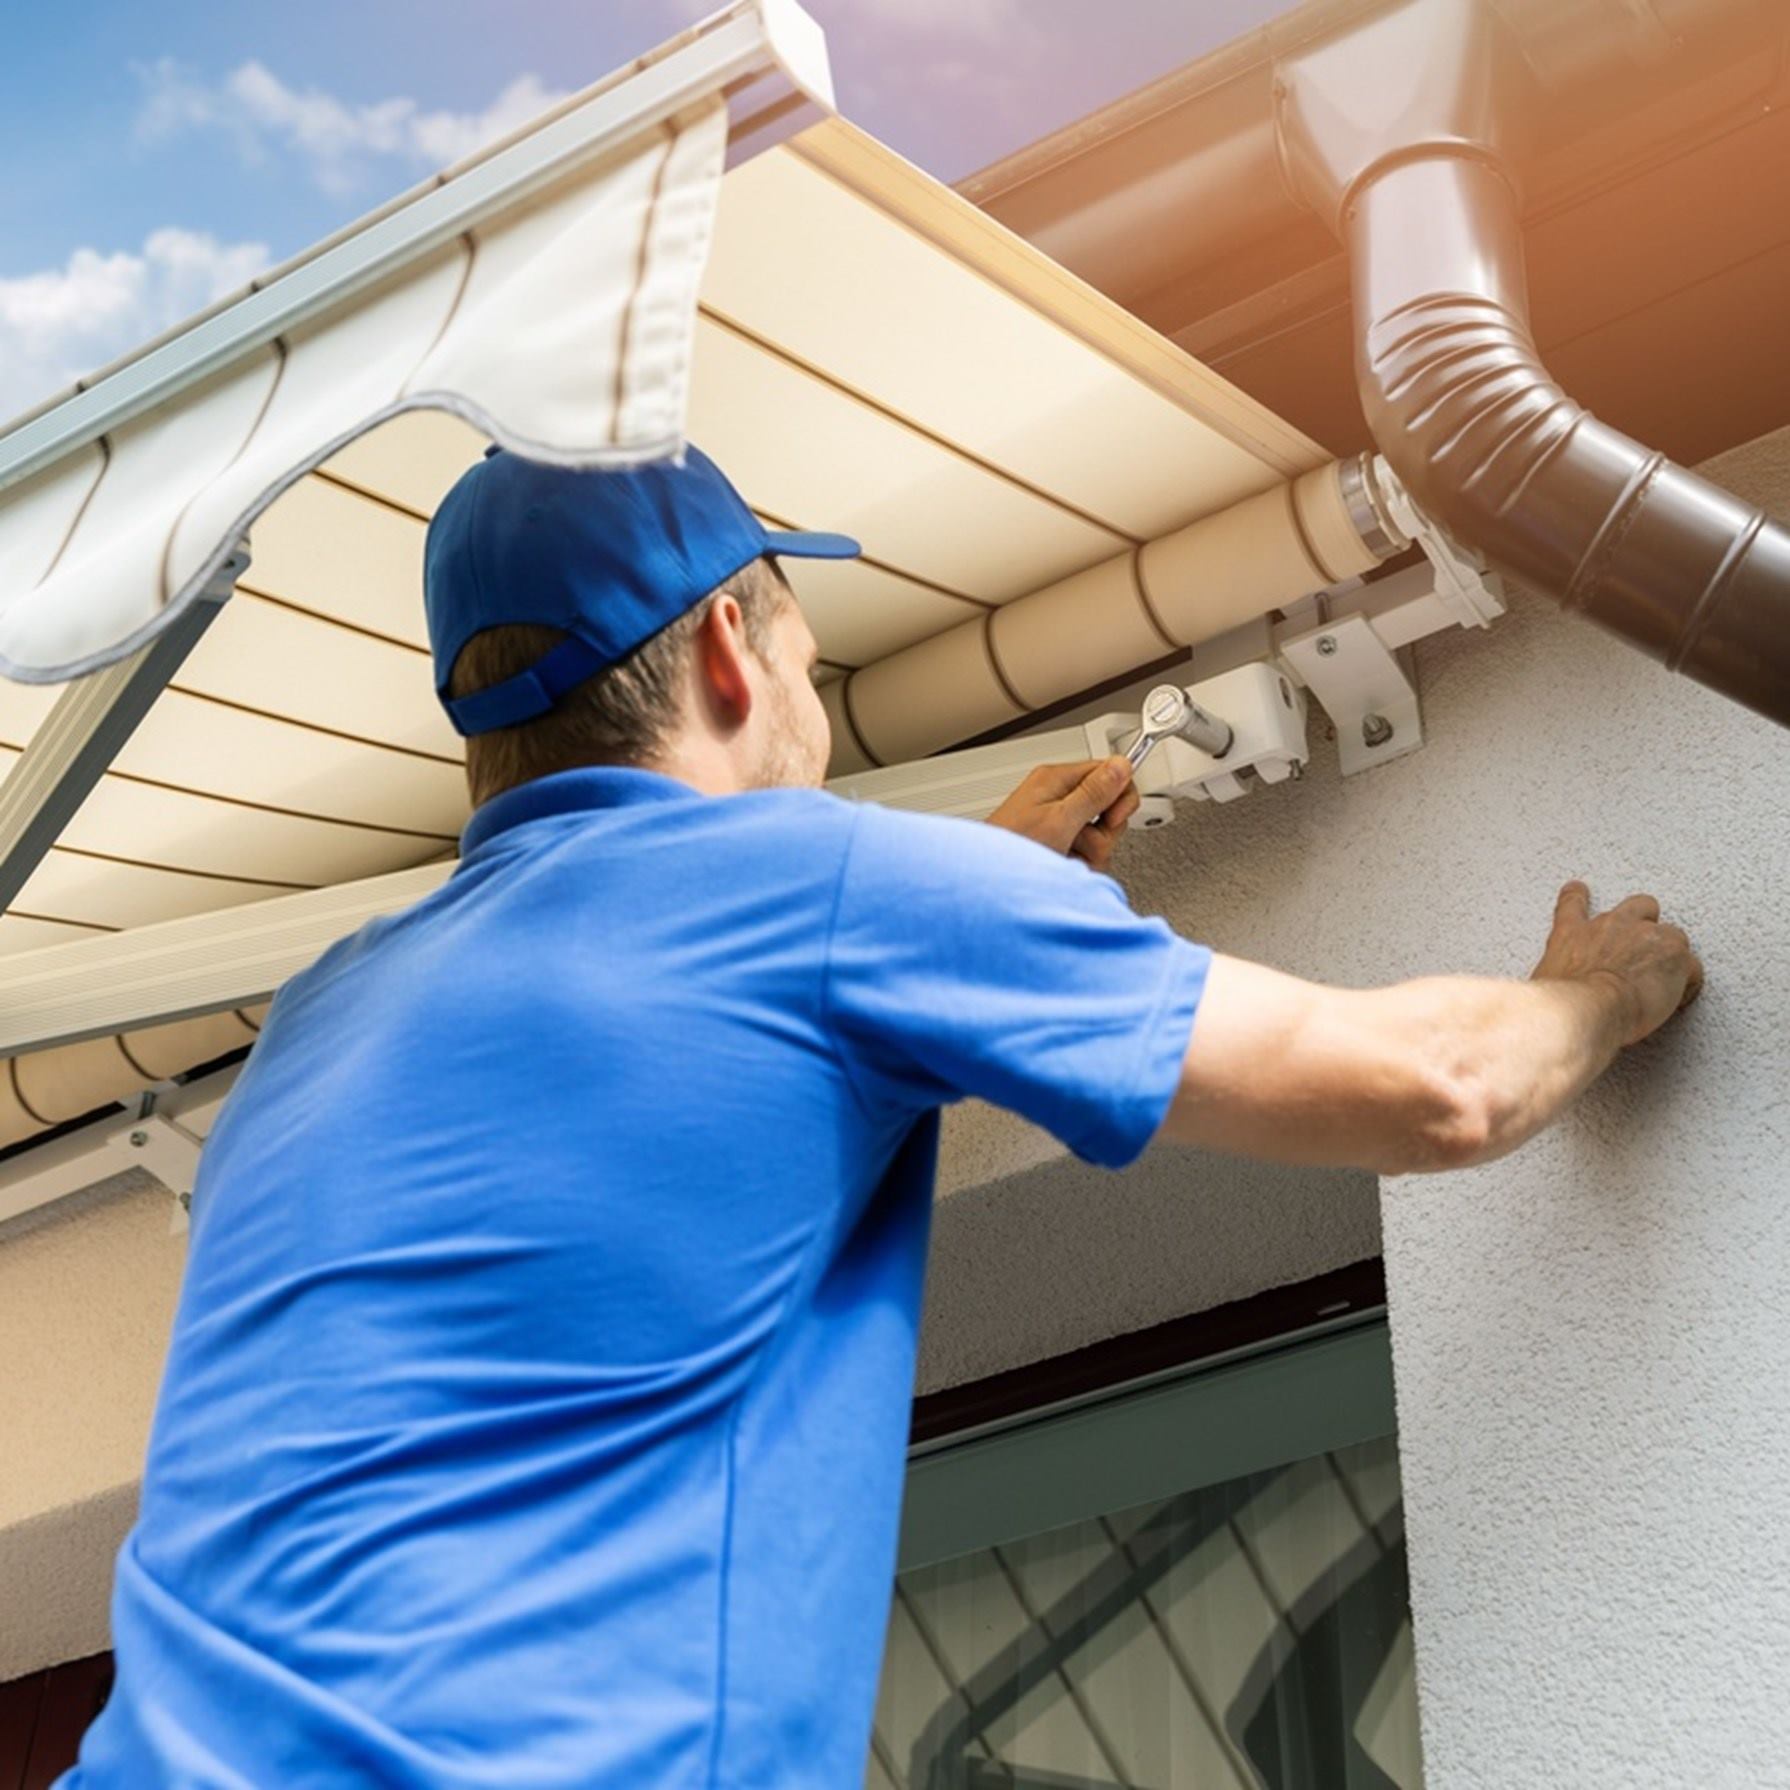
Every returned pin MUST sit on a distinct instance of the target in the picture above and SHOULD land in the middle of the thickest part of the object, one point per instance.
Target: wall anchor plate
(1362, 688)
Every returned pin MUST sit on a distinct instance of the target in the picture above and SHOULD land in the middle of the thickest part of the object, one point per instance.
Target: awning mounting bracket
(1464, 584)
(1362, 687)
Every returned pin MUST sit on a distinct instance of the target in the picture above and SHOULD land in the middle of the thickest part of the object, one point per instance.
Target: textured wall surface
(1057, 1255)
(1592, 1337)
(56, 1575)
(87, 1292)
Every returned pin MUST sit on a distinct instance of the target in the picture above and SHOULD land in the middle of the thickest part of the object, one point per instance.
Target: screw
(1376, 730)
(1326, 645)
(139, 1139)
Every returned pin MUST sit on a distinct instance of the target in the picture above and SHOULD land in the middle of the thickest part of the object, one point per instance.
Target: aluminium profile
(180, 969)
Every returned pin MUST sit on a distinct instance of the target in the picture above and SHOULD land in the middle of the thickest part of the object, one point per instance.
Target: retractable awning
(858, 346)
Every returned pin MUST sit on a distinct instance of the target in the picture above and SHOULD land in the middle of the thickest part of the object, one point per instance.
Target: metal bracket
(1363, 689)
(1465, 585)
(153, 1141)
(163, 1131)
(1265, 713)
(167, 1150)
(77, 741)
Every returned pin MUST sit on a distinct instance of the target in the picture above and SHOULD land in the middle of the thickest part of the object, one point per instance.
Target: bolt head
(1376, 730)
(1166, 705)
(139, 1139)
(1327, 645)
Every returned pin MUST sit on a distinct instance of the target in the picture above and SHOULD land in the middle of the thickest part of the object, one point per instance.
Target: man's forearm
(1517, 1053)
(1436, 1073)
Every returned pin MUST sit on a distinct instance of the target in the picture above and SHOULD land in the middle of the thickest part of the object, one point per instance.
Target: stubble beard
(788, 761)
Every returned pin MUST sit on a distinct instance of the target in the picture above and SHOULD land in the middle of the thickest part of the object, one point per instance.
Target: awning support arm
(85, 731)
(155, 1136)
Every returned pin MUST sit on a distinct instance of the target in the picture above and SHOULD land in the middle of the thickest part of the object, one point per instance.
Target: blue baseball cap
(609, 557)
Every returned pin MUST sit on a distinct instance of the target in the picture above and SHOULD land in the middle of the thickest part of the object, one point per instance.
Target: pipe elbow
(1492, 448)
(1462, 408)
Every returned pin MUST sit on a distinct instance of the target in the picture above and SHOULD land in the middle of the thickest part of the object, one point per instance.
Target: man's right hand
(1630, 947)
(1078, 809)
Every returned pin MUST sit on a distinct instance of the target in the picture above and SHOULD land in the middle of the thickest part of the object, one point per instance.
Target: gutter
(1406, 132)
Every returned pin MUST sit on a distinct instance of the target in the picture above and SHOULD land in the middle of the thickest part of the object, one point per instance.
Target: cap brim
(803, 545)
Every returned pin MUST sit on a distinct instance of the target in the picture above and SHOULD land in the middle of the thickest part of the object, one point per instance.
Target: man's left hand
(1080, 809)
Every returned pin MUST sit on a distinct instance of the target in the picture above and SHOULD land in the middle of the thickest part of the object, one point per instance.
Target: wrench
(1167, 711)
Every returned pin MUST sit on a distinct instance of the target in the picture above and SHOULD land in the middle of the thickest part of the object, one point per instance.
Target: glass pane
(1248, 1636)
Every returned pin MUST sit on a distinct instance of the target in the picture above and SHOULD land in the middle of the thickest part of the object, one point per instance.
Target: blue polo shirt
(536, 1406)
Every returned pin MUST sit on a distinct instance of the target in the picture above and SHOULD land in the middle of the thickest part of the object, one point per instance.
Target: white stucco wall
(1592, 1337)
(1035, 1254)
(87, 1294)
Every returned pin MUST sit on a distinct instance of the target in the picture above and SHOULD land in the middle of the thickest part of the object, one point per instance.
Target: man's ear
(721, 651)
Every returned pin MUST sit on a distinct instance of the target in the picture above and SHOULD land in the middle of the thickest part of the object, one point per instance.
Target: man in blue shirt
(535, 1409)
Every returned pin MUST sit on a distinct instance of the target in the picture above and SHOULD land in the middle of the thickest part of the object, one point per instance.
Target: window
(1249, 1632)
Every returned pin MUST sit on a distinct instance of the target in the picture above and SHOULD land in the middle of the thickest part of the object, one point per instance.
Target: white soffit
(871, 354)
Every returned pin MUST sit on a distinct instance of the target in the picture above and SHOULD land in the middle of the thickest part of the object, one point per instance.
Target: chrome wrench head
(1165, 712)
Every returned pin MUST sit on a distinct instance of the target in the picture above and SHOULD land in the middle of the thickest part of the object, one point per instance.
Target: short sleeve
(966, 961)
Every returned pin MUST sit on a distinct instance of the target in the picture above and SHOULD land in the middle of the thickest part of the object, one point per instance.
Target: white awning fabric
(562, 330)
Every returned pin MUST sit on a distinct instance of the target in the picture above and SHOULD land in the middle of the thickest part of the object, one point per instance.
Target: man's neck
(706, 764)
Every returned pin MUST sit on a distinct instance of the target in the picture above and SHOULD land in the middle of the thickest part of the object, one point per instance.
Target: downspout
(1403, 133)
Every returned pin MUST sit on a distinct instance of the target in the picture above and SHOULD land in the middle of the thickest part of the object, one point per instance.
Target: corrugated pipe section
(1109, 619)
(1400, 132)
(49, 1087)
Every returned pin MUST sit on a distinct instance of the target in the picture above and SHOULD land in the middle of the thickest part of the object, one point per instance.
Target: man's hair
(624, 714)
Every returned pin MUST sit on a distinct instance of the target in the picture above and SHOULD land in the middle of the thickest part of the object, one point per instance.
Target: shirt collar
(588, 788)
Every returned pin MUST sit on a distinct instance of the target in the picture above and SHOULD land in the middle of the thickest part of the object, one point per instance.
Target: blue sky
(158, 154)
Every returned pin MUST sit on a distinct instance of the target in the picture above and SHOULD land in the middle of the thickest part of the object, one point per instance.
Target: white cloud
(339, 142)
(63, 322)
